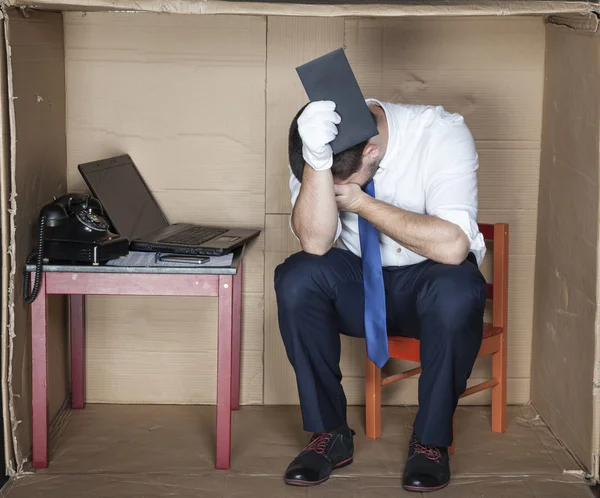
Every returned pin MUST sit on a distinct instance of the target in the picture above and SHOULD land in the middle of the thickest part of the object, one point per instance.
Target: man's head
(355, 165)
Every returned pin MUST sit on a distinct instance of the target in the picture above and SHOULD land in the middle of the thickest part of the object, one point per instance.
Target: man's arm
(315, 213)
(429, 236)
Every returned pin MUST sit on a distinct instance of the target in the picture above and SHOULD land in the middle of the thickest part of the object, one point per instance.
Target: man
(422, 167)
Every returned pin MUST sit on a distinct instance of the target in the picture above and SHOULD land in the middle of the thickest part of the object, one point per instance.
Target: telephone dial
(72, 229)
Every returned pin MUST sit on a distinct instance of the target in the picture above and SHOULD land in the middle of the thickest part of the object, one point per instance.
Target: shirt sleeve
(451, 182)
(295, 191)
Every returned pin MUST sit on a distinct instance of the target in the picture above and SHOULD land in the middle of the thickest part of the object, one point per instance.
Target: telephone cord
(38, 257)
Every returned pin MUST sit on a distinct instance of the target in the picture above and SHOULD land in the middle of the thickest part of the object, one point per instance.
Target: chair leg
(373, 400)
(499, 392)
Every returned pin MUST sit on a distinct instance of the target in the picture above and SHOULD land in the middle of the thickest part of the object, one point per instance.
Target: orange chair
(494, 343)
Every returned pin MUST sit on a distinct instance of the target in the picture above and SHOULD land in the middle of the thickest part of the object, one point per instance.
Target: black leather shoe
(427, 468)
(325, 452)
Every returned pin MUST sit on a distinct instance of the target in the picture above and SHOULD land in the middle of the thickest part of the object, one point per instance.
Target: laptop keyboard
(193, 236)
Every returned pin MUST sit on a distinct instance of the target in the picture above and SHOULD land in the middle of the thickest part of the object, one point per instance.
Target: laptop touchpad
(226, 238)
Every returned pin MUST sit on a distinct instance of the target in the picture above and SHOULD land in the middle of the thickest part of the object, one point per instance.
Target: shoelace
(319, 442)
(430, 452)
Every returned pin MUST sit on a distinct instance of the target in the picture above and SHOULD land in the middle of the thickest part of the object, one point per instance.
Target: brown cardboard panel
(508, 179)
(492, 102)
(510, 43)
(291, 41)
(167, 90)
(38, 157)
(107, 439)
(118, 64)
(134, 341)
(243, 209)
(163, 377)
(280, 380)
(565, 316)
(331, 8)
(522, 224)
(146, 324)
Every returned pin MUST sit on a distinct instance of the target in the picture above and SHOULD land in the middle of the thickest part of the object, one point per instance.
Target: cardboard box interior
(202, 104)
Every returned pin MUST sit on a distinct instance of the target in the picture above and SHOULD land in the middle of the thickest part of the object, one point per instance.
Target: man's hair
(345, 163)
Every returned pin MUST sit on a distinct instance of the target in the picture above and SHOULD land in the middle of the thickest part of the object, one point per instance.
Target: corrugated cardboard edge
(324, 9)
(587, 23)
(4, 210)
(11, 246)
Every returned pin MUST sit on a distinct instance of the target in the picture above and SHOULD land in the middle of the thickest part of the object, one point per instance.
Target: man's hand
(317, 128)
(349, 197)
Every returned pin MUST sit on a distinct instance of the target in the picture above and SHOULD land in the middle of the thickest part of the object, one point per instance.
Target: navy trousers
(319, 297)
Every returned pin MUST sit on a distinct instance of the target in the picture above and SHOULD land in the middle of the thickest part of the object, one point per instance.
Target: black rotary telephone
(72, 229)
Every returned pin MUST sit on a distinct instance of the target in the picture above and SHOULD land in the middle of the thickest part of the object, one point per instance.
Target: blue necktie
(375, 319)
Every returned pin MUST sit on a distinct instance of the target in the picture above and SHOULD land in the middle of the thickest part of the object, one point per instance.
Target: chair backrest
(498, 289)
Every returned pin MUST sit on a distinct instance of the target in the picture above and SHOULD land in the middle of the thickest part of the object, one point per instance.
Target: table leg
(236, 339)
(39, 375)
(224, 371)
(77, 326)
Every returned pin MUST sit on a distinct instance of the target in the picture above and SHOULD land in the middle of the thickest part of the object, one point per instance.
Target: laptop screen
(127, 202)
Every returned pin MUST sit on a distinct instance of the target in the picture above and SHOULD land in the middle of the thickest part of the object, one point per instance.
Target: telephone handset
(72, 229)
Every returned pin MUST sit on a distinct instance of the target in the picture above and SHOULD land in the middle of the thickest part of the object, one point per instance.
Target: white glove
(317, 127)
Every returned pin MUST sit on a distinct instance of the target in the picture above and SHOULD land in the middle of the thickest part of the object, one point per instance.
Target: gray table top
(195, 270)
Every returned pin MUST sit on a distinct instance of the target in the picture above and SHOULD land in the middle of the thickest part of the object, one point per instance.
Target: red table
(79, 281)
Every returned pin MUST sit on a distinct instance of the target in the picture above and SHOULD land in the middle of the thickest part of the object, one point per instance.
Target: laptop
(134, 213)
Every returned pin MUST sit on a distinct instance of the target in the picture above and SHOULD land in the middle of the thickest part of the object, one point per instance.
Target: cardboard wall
(38, 158)
(565, 327)
(184, 96)
(203, 105)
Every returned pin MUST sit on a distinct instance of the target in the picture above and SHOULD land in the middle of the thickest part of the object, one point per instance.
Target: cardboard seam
(12, 244)
(537, 430)
(264, 253)
(589, 476)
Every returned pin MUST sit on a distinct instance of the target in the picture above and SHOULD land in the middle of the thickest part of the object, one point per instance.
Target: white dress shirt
(430, 167)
